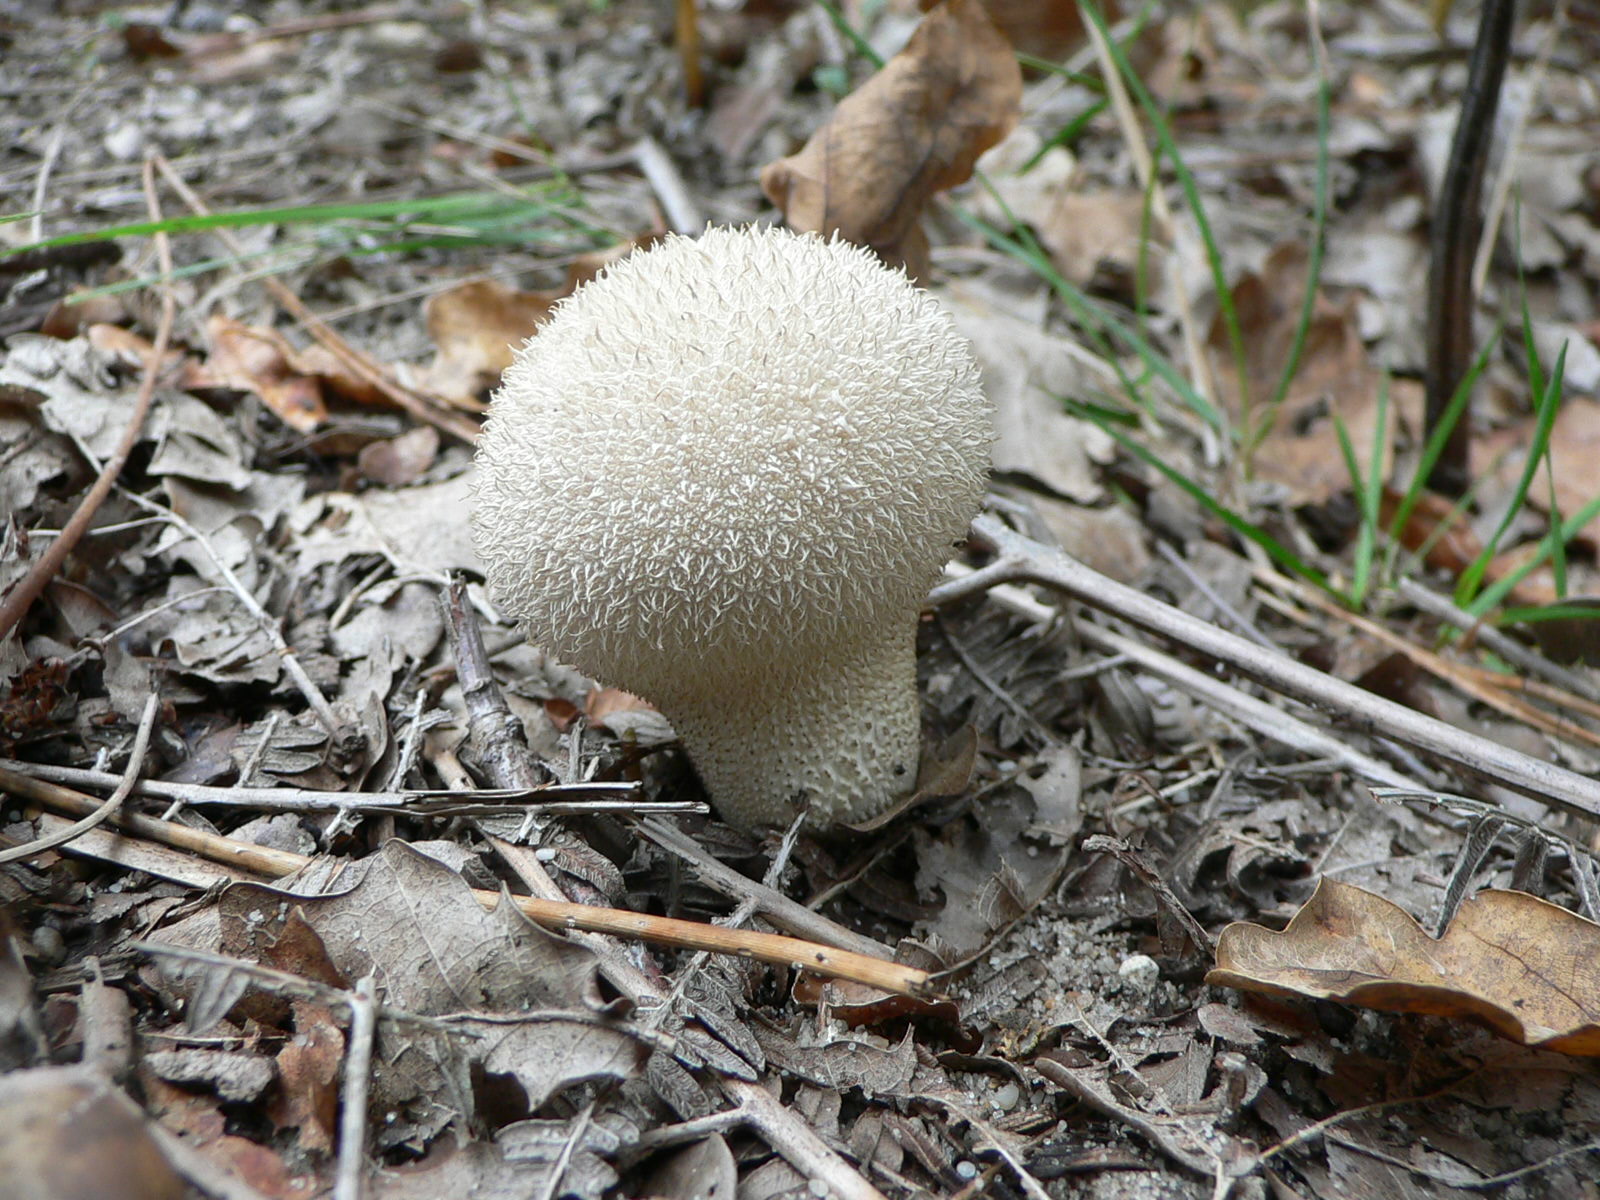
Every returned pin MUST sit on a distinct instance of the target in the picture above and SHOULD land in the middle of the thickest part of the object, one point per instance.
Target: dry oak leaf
(246, 359)
(1043, 28)
(477, 325)
(913, 129)
(1524, 968)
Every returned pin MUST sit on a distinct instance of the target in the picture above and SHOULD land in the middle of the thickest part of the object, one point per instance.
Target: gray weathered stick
(1021, 558)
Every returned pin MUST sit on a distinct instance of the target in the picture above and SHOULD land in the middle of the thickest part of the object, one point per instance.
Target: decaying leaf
(1434, 522)
(913, 129)
(255, 360)
(1520, 966)
(69, 1131)
(1574, 444)
(477, 325)
(415, 921)
(1042, 28)
(1335, 380)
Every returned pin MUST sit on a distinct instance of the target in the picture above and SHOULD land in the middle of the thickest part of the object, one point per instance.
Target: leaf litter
(272, 565)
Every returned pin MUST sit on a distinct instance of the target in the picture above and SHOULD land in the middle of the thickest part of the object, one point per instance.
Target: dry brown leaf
(336, 375)
(1574, 449)
(69, 1131)
(1334, 375)
(1520, 966)
(127, 347)
(72, 315)
(307, 1096)
(913, 129)
(1453, 549)
(477, 326)
(248, 359)
(1042, 28)
(398, 461)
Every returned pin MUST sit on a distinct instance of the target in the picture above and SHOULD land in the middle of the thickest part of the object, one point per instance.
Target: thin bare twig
(1465, 678)
(556, 799)
(1508, 163)
(1457, 220)
(1414, 592)
(267, 623)
(350, 1180)
(16, 605)
(667, 182)
(1020, 558)
(1184, 250)
(1268, 720)
(689, 935)
(113, 803)
(783, 912)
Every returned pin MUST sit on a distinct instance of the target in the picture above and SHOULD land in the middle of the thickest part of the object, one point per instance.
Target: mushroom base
(842, 730)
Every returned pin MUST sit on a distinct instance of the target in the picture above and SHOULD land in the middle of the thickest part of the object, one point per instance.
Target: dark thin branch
(1457, 221)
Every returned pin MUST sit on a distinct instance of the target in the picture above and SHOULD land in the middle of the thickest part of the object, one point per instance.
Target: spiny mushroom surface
(723, 476)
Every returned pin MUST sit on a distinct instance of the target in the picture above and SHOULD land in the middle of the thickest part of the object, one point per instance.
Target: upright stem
(1456, 224)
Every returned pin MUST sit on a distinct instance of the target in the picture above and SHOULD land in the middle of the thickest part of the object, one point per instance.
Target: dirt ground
(300, 992)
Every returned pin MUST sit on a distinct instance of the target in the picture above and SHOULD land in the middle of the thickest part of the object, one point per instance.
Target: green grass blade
(1434, 446)
(1101, 325)
(1066, 135)
(1549, 402)
(1570, 528)
(842, 24)
(1368, 492)
(1191, 195)
(1247, 529)
(1358, 582)
(463, 209)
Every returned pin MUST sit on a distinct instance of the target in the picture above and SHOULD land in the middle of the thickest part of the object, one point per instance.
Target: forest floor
(1197, 285)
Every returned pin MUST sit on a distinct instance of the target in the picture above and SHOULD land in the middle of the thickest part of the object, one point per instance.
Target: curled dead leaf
(913, 129)
(248, 359)
(1524, 968)
(477, 326)
(1335, 380)
(1042, 28)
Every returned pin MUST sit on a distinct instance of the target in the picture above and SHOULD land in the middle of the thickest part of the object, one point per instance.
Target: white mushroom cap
(723, 477)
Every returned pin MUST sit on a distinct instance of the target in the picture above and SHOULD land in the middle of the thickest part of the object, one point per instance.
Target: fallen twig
(556, 799)
(363, 1005)
(265, 620)
(1266, 719)
(1457, 220)
(1020, 558)
(113, 803)
(763, 947)
(783, 912)
(412, 402)
(1463, 677)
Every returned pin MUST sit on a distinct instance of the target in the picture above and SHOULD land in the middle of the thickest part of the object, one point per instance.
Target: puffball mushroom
(723, 476)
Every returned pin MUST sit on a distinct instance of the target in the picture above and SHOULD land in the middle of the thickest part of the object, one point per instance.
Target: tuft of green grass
(549, 214)
(1369, 498)
(1168, 145)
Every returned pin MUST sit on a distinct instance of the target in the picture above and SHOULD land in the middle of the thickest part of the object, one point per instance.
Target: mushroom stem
(840, 730)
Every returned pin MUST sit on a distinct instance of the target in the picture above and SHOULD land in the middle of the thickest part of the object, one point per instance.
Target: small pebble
(49, 945)
(967, 1170)
(1140, 971)
(125, 142)
(1007, 1096)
